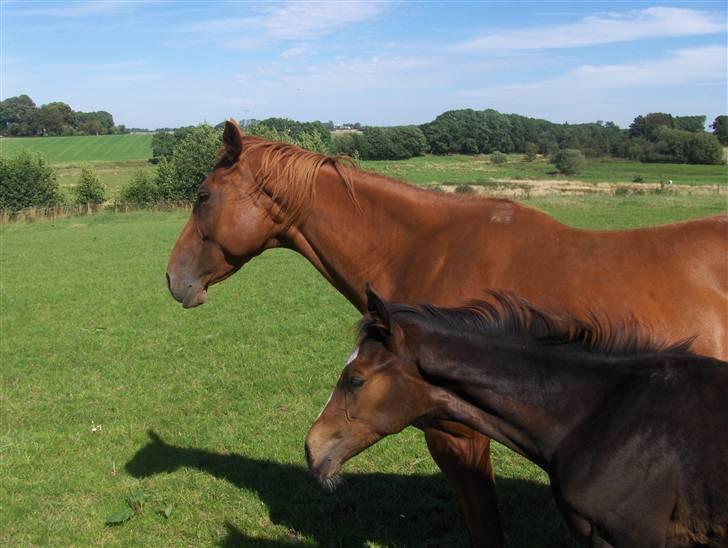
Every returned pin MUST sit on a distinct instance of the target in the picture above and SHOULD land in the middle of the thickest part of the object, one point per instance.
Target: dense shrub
(683, 147)
(90, 189)
(381, 143)
(163, 142)
(141, 189)
(498, 157)
(569, 161)
(27, 180)
(531, 150)
(192, 159)
(343, 144)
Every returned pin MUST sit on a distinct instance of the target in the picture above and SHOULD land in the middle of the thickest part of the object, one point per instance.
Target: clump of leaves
(134, 506)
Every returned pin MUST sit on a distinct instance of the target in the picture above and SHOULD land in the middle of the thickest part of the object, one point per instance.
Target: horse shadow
(388, 509)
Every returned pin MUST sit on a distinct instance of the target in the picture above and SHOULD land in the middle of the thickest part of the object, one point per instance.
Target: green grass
(91, 336)
(458, 169)
(91, 148)
(113, 174)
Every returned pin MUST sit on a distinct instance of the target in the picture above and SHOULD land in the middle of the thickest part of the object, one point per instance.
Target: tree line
(20, 117)
(654, 137)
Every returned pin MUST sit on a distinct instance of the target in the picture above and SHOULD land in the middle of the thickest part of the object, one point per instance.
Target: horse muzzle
(188, 292)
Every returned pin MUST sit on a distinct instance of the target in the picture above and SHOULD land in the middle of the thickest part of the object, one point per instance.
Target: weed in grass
(464, 189)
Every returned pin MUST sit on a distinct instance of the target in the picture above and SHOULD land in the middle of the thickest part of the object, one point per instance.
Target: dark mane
(512, 316)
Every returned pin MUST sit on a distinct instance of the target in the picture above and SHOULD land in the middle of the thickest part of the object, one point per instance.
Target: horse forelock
(288, 173)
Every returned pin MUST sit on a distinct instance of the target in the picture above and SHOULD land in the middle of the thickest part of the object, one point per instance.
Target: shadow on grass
(389, 509)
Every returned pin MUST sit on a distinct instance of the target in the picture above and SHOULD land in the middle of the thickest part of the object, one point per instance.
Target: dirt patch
(520, 188)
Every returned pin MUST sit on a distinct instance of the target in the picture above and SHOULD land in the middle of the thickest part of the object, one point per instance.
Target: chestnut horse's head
(231, 222)
(380, 392)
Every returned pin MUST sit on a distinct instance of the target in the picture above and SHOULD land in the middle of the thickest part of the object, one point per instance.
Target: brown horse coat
(414, 246)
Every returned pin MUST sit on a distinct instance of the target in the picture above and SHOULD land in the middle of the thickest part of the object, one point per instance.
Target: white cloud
(654, 22)
(589, 92)
(313, 19)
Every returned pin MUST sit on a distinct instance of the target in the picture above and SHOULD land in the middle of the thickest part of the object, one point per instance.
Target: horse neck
(529, 397)
(366, 240)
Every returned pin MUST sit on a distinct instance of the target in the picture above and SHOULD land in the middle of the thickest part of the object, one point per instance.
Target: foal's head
(380, 392)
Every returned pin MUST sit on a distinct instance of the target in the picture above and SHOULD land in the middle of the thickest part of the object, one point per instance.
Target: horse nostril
(169, 281)
(309, 459)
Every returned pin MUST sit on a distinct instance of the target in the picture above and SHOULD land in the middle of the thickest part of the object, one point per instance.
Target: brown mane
(288, 173)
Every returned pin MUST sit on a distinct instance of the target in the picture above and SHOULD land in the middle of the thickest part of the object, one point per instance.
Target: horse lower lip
(194, 298)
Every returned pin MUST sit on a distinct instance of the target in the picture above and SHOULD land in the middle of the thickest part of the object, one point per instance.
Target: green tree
(694, 124)
(53, 117)
(27, 180)
(720, 129)
(645, 126)
(90, 189)
(569, 161)
(16, 116)
(192, 159)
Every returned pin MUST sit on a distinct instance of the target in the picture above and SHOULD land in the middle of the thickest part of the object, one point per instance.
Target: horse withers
(633, 434)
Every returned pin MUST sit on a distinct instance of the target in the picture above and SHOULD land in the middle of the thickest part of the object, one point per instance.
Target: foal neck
(530, 396)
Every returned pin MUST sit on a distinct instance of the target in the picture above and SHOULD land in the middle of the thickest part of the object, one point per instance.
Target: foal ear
(378, 311)
(232, 138)
(382, 319)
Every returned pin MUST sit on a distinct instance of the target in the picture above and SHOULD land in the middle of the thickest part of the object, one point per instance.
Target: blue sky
(164, 63)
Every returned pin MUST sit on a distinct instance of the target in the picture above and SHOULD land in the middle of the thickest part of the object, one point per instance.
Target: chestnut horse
(633, 435)
(415, 245)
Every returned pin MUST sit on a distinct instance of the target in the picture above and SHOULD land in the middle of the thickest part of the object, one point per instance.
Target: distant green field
(91, 148)
(461, 169)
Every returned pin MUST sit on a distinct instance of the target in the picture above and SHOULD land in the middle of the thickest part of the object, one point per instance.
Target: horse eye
(356, 382)
(202, 197)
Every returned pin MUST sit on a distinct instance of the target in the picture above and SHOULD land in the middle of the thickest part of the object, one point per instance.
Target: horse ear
(382, 319)
(232, 138)
(378, 311)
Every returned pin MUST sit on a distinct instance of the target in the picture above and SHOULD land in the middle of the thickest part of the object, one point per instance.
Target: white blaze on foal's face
(351, 358)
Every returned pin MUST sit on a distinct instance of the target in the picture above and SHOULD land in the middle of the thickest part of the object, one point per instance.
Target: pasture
(461, 169)
(111, 389)
(84, 148)
(116, 157)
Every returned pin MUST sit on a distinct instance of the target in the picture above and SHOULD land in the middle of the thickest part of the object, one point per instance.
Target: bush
(90, 189)
(498, 157)
(192, 159)
(27, 180)
(569, 161)
(141, 189)
(531, 150)
(464, 189)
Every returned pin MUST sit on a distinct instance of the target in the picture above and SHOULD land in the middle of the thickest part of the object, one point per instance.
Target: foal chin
(327, 450)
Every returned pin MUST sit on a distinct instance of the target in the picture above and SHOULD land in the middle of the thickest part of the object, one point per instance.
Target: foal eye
(356, 382)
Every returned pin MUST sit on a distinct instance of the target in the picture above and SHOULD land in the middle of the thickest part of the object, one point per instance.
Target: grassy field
(116, 157)
(87, 148)
(110, 389)
(459, 169)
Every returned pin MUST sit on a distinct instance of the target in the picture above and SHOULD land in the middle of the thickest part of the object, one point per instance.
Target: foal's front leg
(463, 455)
